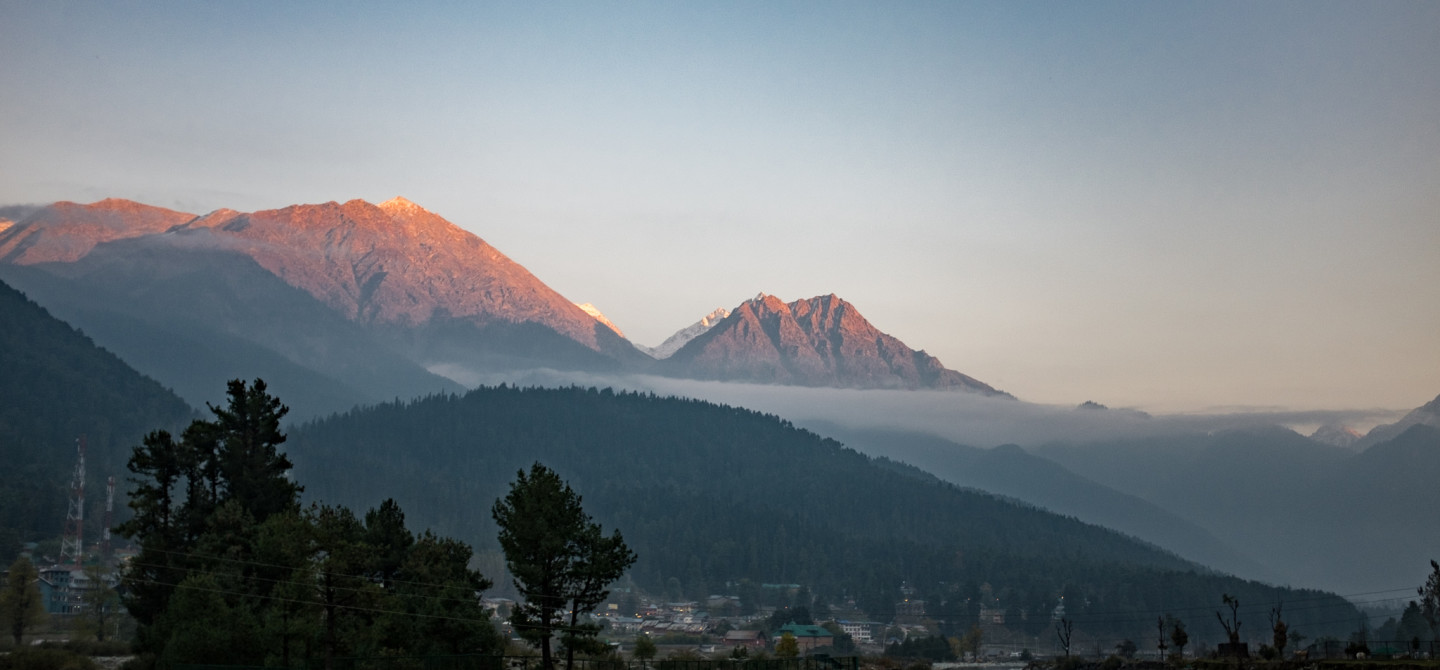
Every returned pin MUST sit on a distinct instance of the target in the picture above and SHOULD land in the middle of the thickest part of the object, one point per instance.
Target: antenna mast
(72, 546)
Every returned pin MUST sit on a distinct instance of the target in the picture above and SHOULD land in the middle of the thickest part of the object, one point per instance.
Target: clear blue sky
(1174, 206)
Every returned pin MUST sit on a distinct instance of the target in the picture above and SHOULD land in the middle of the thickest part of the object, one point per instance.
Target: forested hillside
(55, 386)
(711, 496)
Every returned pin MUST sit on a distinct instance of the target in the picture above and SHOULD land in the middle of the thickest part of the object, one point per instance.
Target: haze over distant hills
(1313, 513)
(1424, 415)
(1011, 471)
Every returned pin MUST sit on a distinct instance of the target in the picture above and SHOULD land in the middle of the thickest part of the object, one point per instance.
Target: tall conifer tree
(557, 556)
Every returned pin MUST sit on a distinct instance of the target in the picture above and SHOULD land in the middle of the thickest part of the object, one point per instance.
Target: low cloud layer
(966, 418)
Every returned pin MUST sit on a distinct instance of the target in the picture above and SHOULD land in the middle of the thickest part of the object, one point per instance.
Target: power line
(226, 559)
(321, 603)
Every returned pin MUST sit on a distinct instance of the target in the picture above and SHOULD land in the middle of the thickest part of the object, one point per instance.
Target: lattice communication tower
(72, 546)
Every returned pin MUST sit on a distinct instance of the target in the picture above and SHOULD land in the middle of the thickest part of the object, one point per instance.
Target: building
(63, 588)
(807, 637)
(862, 632)
(750, 639)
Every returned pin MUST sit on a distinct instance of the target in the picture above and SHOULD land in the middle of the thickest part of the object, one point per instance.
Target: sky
(1175, 207)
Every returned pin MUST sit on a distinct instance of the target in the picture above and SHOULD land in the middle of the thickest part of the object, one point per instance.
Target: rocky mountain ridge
(444, 298)
(821, 341)
(397, 263)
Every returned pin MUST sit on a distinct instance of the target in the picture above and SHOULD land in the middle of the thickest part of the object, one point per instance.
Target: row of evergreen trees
(233, 570)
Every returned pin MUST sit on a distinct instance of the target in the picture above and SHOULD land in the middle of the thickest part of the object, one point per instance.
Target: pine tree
(539, 521)
(252, 468)
(207, 492)
(557, 556)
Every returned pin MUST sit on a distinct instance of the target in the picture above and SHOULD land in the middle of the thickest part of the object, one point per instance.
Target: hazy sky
(1170, 206)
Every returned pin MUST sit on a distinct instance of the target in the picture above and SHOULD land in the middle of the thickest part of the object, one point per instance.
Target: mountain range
(353, 304)
(712, 498)
(427, 291)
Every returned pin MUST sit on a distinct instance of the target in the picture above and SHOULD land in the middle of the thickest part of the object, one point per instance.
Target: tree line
(715, 497)
(233, 569)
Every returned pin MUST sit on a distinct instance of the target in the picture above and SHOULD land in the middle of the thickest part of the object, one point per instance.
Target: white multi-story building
(862, 632)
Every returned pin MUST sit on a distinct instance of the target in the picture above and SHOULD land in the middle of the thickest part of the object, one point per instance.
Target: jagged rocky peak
(820, 341)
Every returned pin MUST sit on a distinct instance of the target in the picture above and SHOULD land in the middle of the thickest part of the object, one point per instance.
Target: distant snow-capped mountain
(1336, 435)
(1427, 414)
(673, 343)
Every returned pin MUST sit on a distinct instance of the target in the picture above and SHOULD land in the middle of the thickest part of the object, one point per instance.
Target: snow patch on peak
(400, 204)
(673, 343)
(595, 313)
(1336, 435)
(714, 317)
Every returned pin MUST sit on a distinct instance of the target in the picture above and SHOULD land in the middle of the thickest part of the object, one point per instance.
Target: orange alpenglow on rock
(823, 341)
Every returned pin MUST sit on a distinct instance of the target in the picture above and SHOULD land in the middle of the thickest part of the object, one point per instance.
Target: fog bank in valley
(966, 418)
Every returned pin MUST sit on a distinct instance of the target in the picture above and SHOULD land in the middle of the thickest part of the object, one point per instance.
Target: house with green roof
(807, 637)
